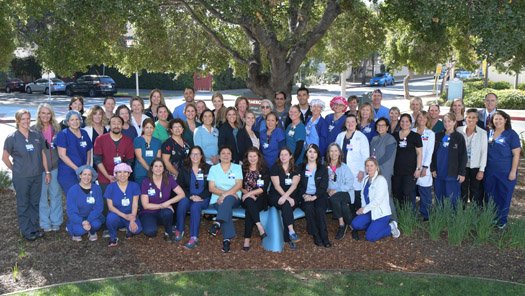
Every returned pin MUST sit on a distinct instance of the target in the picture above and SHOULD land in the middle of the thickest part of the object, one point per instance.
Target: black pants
(471, 188)
(315, 212)
(286, 213)
(340, 206)
(403, 187)
(253, 208)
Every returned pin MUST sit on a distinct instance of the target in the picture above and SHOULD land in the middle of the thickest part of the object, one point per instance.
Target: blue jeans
(375, 229)
(224, 215)
(195, 209)
(50, 208)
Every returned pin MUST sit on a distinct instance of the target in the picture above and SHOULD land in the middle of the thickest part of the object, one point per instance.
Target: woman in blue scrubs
(295, 133)
(336, 120)
(272, 139)
(84, 206)
(501, 171)
(74, 150)
(449, 161)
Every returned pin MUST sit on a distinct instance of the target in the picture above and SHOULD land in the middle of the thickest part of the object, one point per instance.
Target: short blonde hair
(19, 114)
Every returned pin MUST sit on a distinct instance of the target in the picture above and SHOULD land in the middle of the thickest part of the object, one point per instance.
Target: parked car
(463, 74)
(14, 84)
(383, 79)
(43, 84)
(92, 85)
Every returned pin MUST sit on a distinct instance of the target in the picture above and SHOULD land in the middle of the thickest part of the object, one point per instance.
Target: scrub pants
(425, 193)
(50, 208)
(150, 222)
(286, 214)
(195, 209)
(375, 229)
(340, 207)
(224, 215)
(28, 190)
(403, 187)
(315, 213)
(500, 189)
(447, 188)
(471, 188)
(67, 180)
(114, 222)
(77, 230)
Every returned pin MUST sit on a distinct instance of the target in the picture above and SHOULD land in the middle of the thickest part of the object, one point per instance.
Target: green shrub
(484, 222)
(516, 231)
(471, 86)
(507, 99)
(5, 180)
(460, 225)
(407, 217)
(521, 86)
(500, 85)
(438, 219)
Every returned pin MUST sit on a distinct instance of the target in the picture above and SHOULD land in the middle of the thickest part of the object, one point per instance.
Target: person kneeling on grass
(157, 191)
(123, 201)
(84, 206)
(375, 214)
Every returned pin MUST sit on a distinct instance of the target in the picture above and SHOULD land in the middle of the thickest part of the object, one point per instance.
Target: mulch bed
(57, 259)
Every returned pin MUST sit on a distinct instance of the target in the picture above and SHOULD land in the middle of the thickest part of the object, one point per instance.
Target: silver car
(43, 84)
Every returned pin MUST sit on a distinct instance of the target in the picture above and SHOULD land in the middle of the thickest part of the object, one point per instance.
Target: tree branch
(236, 55)
(217, 14)
(309, 39)
(303, 17)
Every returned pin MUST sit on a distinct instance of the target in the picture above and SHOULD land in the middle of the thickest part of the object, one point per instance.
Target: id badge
(151, 192)
(83, 144)
(30, 147)
(308, 173)
(117, 160)
(200, 177)
(266, 145)
(402, 144)
(260, 183)
(291, 133)
(445, 144)
(367, 130)
(125, 202)
(349, 147)
(330, 128)
(287, 181)
(149, 153)
(231, 176)
(90, 200)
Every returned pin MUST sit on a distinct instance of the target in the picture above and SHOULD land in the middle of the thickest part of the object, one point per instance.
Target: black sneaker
(214, 229)
(226, 246)
(292, 245)
(341, 231)
(355, 235)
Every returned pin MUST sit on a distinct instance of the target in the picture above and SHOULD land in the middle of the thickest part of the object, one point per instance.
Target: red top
(109, 150)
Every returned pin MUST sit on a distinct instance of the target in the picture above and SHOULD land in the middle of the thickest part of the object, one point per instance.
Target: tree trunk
(486, 78)
(405, 84)
(363, 77)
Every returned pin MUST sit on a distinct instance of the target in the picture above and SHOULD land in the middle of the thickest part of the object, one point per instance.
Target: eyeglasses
(265, 107)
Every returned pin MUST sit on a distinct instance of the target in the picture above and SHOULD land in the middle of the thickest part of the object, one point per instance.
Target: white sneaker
(76, 238)
(105, 234)
(395, 231)
(92, 237)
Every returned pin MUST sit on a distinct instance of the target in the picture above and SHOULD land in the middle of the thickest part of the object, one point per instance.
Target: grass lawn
(287, 283)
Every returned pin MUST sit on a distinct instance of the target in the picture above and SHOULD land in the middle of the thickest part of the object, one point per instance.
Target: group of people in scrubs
(151, 168)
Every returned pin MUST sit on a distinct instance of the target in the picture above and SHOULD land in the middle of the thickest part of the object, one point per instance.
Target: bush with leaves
(507, 98)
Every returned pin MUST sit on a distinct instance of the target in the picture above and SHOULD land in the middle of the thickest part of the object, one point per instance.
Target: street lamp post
(129, 44)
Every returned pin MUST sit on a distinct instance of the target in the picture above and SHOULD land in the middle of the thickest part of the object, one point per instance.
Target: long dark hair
(505, 115)
(316, 148)
(187, 160)
(164, 172)
(260, 161)
(291, 165)
(329, 159)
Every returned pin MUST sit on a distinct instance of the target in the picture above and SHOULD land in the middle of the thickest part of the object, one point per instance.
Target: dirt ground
(57, 259)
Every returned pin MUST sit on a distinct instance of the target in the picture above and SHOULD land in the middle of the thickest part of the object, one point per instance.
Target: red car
(14, 84)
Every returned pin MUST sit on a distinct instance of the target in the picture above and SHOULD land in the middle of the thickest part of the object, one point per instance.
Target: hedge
(507, 98)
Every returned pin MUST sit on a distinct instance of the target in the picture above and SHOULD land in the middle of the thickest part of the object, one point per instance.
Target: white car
(43, 84)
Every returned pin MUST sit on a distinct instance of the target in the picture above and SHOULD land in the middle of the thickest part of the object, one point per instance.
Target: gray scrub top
(26, 154)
